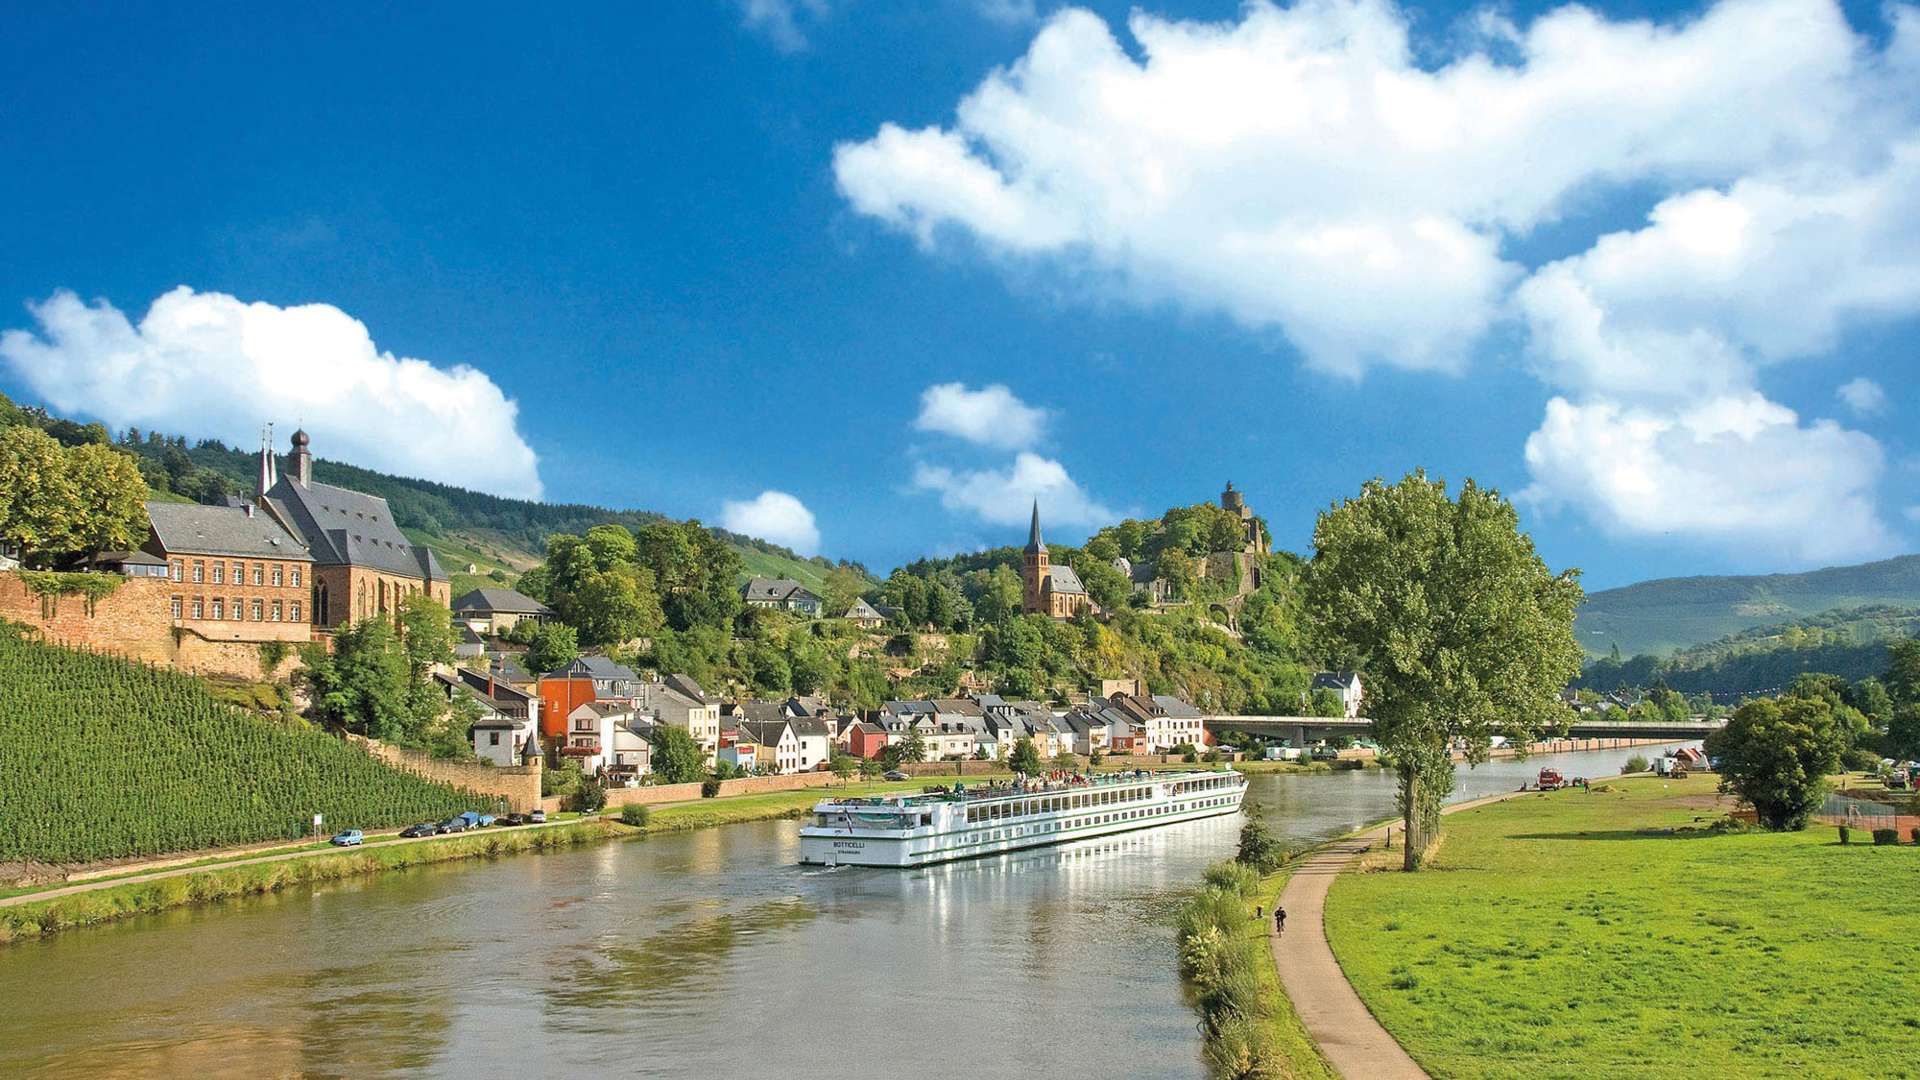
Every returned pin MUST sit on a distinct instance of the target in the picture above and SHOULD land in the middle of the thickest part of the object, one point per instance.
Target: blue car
(350, 838)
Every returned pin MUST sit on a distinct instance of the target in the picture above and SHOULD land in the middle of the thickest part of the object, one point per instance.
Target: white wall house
(678, 700)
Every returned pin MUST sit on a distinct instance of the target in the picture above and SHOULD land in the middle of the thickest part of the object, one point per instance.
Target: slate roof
(763, 733)
(863, 610)
(350, 528)
(500, 601)
(770, 590)
(595, 667)
(222, 530)
(761, 712)
(127, 558)
(1333, 680)
(1177, 708)
(685, 686)
(810, 726)
(1063, 580)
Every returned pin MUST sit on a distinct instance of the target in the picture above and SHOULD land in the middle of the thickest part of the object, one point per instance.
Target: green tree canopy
(1777, 754)
(57, 502)
(1024, 758)
(677, 758)
(1459, 628)
(553, 646)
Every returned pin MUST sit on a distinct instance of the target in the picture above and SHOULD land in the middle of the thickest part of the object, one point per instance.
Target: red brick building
(236, 574)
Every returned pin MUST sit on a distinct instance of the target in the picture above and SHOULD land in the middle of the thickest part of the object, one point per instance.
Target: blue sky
(714, 251)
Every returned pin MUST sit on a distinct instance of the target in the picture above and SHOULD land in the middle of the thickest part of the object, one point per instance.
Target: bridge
(1302, 730)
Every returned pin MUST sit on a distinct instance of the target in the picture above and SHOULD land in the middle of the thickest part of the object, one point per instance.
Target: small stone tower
(1033, 568)
(301, 460)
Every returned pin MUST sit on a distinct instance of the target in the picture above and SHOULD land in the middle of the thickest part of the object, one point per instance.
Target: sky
(868, 278)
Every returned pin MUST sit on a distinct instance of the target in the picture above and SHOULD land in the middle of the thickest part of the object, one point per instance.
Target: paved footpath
(1336, 1019)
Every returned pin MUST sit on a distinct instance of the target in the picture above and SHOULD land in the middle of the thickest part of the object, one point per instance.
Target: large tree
(1777, 754)
(677, 758)
(1459, 629)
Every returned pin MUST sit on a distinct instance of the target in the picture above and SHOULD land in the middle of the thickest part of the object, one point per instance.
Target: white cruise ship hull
(923, 831)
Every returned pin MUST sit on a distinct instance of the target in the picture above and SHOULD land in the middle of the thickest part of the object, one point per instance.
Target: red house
(866, 740)
(558, 698)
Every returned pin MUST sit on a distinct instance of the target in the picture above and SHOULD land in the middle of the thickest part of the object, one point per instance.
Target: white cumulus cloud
(1739, 469)
(208, 364)
(780, 21)
(989, 416)
(1301, 170)
(774, 516)
(1864, 396)
(1005, 496)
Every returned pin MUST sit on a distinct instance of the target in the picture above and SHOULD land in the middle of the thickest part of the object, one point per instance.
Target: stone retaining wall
(519, 785)
(134, 622)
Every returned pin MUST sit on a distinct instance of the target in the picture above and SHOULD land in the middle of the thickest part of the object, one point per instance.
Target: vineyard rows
(101, 758)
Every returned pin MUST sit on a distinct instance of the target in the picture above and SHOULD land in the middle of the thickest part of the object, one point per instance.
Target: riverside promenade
(1339, 1023)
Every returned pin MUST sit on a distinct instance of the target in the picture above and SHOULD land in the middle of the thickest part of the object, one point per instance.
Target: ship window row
(1051, 804)
(1204, 784)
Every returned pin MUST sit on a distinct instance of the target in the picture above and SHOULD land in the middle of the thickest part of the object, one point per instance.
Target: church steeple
(1034, 543)
(268, 474)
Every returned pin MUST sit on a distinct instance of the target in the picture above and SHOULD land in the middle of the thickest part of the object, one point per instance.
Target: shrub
(1846, 835)
(1860, 759)
(1233, 877)
(636, 815)
(710, 787)
(1914, 835)
(1259, 848)
(1636, 763)
(1886, 837)
(588, 798)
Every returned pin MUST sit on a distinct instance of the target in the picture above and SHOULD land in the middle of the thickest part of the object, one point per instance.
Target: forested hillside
(104, 758)
(1659, 617)
(499, 537)
(1851, 643)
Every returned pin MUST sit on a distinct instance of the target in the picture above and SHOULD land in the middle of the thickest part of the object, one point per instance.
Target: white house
(784, 593)
(590, 734)
(1344, 683)
(814, 742)
(678, 700)
(1183, 723)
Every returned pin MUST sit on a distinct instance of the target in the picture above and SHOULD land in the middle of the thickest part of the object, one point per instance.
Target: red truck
(1551, 780)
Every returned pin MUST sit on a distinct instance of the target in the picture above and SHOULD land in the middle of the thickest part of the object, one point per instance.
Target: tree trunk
(1410, 848)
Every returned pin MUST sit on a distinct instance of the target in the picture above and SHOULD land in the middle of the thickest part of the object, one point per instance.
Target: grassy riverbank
(1618, 933)
(1247, 1025)
(36, 918)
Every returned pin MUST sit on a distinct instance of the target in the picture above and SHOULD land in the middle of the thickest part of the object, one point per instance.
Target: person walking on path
(1279, 920)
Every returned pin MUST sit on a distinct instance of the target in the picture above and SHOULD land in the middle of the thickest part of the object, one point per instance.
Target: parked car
(453, 824)
(538, 817)
(896, 775)
(349, 838)
(511, 819)
(425, 828)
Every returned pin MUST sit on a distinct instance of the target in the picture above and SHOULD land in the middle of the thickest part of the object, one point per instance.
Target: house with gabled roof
(785, 594)
(496, 610)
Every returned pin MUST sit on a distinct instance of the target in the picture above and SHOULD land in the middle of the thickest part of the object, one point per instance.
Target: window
(219, 605)
(277, 573)
(199, 607)
(493, 738)
(293, 611)
(239, 573)
(259, 611)
(219, 575)
(259, 573)
(293, 576)
(175, 605)
(239, 609)
(199, 571)
(276, 611)
(173, 569)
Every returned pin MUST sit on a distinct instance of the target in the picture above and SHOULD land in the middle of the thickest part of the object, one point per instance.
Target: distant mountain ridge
(1658, 617)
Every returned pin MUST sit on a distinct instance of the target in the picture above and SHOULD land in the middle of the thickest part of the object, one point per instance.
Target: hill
(1658, 617)
(1851, 643)
(497, 537)
(106, 758)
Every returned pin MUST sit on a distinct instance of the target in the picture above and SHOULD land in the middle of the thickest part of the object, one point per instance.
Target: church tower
(1033, 568)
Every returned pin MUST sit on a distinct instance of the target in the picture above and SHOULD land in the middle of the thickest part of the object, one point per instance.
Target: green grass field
(1614, 934)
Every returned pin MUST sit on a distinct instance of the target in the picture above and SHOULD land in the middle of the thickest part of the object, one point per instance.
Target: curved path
(1347, 1034)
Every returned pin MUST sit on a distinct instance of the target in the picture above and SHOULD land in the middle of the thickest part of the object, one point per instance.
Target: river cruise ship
(939, 826)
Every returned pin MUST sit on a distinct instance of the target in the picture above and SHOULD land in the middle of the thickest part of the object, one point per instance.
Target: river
(701, 954)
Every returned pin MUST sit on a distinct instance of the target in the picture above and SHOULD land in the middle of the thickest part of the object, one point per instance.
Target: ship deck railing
(1081, 782)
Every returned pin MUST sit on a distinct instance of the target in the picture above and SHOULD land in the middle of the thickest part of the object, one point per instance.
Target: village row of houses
(786, 594)
(604, 716)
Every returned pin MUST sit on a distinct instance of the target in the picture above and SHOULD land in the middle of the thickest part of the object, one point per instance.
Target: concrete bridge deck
(1305, 729)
